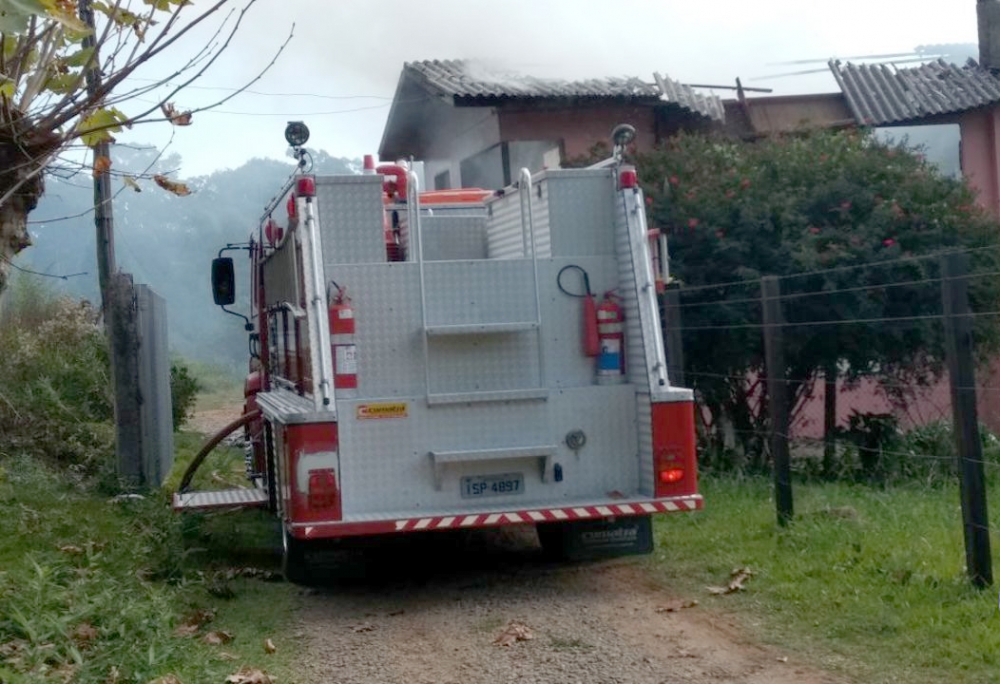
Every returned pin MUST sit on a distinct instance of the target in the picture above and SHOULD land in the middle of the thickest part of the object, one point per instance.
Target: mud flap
(594, 539)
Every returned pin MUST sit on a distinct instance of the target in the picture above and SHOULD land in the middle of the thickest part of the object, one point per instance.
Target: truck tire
(294, 560)
(552, 537)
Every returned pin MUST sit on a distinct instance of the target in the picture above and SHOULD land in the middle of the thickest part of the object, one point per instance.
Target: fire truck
(458, 359)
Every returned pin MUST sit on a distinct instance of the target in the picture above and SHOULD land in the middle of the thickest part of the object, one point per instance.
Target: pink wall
(980, 155)
(579, 128)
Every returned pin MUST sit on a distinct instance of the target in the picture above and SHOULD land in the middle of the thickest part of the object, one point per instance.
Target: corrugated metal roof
(880, 94)
(467, 80)
(686, 97)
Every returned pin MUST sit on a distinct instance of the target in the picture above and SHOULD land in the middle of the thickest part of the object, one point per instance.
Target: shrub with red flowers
(812, 207)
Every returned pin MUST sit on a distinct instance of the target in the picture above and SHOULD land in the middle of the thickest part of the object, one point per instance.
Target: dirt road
(429, 610)
(435, 618)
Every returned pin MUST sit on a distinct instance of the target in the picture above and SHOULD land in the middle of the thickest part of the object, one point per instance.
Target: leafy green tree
(64, 70)
(840, 215)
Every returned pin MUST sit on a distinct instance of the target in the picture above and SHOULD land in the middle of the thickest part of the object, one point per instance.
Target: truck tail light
(323, 491)
(670, 475)
(675, 461)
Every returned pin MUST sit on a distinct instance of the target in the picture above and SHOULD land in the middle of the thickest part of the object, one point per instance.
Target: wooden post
(962, 378)
(777, 396)
(829, 419)
(123, 334)
(674, 336)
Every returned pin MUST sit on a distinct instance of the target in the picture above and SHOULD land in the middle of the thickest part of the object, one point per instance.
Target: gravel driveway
(419, 613)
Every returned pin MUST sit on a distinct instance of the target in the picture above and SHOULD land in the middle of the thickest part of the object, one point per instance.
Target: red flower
(745, 183)
(674, 180)
(649, 201)
(888, 242)
(692, 223)
(730, 194)
(845, 205)
(720, 234)
(814, 230)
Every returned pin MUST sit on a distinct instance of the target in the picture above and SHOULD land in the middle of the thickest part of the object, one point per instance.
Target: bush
(55, 388)
(184, 389)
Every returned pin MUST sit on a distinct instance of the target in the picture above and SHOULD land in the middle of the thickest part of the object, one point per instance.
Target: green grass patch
(871, 583)
(223, 468)
(90, 587)
(221, 387)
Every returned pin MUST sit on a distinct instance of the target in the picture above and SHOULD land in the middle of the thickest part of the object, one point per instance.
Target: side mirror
(223, 281)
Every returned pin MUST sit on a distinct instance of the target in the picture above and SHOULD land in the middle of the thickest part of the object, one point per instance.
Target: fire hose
(211, 444)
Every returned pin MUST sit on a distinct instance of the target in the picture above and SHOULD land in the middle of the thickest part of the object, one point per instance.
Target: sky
(340, 70)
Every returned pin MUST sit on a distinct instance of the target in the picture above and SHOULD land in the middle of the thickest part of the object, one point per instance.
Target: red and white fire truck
(458, 359)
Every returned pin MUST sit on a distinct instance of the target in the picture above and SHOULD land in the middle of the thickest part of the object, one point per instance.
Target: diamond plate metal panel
(448, 238)
(486, 291)
(350, 218)
(580, 206)
(483, 363)
(386, 464)
(562, 318)
(388, 328)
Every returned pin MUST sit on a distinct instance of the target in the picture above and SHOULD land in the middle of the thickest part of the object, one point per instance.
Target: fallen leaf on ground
(84, 632)
(113, 675)
(676, 605)
(226, 655)
(783, 659)
(515, 631)
(357, 629)
(736, 579)
(269, 646)
(193, 621)
(166, 679)
(218, 638)
(248, 675)
(66, 672)
(71, 549)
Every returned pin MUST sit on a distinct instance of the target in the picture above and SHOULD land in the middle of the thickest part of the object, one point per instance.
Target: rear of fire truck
(428, 361)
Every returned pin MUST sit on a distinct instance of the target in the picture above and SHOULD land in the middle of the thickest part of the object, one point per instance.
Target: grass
(223, 468)
(221, 387)
(870, 583)
(91, 587)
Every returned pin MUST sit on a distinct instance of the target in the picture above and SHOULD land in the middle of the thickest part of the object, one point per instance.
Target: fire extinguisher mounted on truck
(419, 361)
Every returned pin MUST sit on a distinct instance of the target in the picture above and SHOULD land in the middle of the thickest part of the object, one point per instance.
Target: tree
(64, 70)
(813, 208)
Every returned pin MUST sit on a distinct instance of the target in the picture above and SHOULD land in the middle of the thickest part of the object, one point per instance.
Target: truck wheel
(294, 561)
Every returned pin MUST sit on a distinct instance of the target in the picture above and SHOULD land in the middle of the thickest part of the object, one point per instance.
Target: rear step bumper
(220, 498)
(451, 521)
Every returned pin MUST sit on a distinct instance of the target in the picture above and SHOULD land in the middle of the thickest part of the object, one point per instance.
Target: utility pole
(103, 219)
(777, 396)
(117, 298)
(962, 378)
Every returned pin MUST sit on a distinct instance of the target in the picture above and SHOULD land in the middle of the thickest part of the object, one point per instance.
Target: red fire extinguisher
(345, 352)
(591, 344)
(611, 335)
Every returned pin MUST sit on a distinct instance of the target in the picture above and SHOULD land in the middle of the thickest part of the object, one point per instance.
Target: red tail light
(322, 488)
(675, 464)
(671, 475)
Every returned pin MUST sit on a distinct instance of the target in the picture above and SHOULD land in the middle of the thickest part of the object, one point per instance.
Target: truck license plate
(492, 485)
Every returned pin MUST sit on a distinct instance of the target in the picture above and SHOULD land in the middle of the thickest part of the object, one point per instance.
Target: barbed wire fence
(924, 407)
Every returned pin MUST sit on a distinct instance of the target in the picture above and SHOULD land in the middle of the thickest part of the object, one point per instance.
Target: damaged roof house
(475, 127)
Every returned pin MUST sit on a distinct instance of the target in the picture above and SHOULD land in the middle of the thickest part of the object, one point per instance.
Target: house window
(499, 166)
(442, 181)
